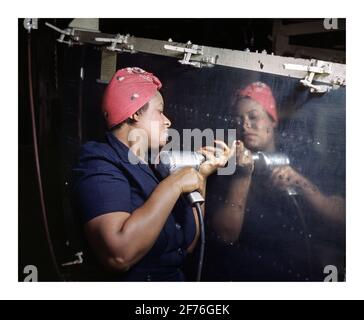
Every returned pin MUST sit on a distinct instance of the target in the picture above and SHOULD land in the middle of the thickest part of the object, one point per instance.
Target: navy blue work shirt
(104, 181)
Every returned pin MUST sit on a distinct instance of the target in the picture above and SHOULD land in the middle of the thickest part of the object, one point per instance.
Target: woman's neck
(137, 145)
(271, 147)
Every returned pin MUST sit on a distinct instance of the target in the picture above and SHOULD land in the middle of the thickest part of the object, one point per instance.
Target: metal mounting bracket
(317, 67)
(189, 50)
(121, 41)
(66, 32)
(30, 23)
(79, 260)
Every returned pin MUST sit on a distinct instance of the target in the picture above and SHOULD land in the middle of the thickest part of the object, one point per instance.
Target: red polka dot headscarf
(128, 91)
(261, 93)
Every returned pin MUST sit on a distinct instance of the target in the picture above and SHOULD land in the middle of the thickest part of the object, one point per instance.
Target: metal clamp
(189, 50)
(120, 40)
(79, 260)
(318, 67)
(30, 23)
(66, 32)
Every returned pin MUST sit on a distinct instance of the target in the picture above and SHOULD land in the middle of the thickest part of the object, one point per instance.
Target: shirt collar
(122, 149)
(127, 156)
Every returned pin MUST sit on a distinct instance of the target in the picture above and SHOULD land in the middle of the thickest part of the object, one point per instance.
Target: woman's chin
(252, 146)
(162, 142)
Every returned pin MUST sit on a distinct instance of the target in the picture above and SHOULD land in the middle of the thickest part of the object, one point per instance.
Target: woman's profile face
(254, 125)
(155, 123)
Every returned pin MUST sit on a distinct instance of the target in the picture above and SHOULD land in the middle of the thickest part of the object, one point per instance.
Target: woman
(136, 224)
(258, 215)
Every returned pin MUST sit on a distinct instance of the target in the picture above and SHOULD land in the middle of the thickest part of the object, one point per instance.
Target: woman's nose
(167, 122)
(246, 123)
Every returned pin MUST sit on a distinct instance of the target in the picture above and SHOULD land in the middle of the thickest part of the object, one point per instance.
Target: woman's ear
(135, 117)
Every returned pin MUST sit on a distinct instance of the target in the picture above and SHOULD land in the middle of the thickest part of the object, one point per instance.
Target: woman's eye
(238, 120)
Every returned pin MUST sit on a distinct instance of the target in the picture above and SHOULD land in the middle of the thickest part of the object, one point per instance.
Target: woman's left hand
(215, 158)
(286, 177)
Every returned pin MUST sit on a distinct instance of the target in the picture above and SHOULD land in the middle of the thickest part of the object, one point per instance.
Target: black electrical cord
(36, 159)
(202, 241)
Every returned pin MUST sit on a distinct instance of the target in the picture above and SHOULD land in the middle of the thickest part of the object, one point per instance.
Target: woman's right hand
(187, 180)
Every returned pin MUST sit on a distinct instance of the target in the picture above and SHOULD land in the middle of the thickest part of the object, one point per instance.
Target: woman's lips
(165, 134)
(249, 135)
